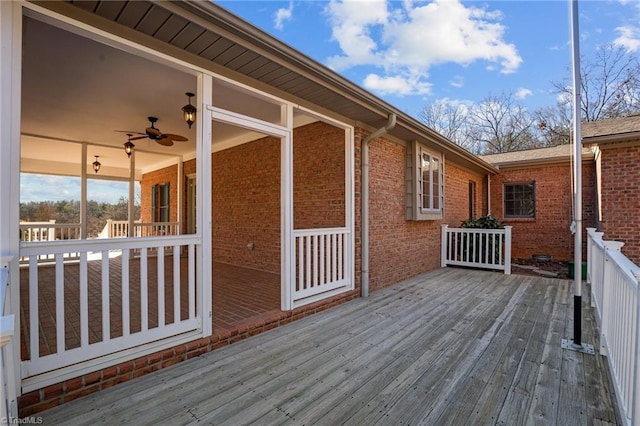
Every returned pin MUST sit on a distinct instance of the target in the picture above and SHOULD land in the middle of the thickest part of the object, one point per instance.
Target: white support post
(287, 248)
(204, 139)
(507, 250)
(443, 246)
(10, 110)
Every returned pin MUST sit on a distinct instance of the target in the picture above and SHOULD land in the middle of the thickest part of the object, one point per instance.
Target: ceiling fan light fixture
(96, 164)
(128, 146)
(189, 111)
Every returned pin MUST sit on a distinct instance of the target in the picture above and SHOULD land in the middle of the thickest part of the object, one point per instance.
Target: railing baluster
(315, 262)
(192, 282)
(106, 315)
(34, 309)
(307, 241)
(126, 322)
(161, 306)
(321, 262)
(300, 281)
(59, 283)
(144, 290)
(176, 284)
(84, 300)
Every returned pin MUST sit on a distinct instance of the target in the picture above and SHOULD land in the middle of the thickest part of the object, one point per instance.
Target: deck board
(453, 346)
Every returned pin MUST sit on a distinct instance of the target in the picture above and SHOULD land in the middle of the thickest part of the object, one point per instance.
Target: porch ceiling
(206, 34)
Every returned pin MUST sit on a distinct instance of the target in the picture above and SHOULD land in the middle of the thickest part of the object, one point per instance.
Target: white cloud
(406, 39)
(283, 15)
(522, 93)
(629, 38)
(396, 85)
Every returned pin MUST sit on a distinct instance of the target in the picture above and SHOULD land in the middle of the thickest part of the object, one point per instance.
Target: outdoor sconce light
(128, 146)
(189, 111)
(96, 164)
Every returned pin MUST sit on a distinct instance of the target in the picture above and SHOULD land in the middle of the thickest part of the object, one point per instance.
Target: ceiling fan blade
(176, 138)
(138, 137)
(132, 132)
(165, 142)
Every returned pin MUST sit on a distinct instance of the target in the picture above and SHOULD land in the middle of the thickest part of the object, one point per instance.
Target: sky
(415, 53)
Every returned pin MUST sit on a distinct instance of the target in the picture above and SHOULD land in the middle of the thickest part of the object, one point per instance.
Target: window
(160, 202)
(424, 189)
(520, 199)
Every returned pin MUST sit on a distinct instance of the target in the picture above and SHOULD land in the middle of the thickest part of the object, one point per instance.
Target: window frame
(518, 215)
(415, 208)
(161, 212)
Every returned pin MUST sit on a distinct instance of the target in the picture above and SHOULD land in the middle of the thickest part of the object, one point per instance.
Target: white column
(203, 200)
(287, 244)
(10, 107)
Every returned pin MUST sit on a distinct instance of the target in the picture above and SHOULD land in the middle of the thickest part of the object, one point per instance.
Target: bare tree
(553, 125)
(610, 86)
(501, 124)
(450, 119)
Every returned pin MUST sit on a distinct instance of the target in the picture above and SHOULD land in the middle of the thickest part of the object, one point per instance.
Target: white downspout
(364, 240)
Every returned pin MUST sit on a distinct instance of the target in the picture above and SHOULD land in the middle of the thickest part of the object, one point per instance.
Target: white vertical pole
(203, 201)
(132, 190)
(287, 241)
(10, 107)
(507, 250)
(577, 141)
(83, 192)
(443, 246)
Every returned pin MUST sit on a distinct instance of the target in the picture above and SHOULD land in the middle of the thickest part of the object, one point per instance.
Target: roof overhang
(210, 37)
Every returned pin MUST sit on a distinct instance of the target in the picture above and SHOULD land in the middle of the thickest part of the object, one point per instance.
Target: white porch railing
(49, 231)
(165, 302)
(120, 229)
(321, 260)
(615, 294)
(477, 248)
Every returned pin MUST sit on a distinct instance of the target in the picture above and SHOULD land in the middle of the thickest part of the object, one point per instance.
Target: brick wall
(400, 249)
(318, 176)
(246, 205)
(548, 233)
(621, 198)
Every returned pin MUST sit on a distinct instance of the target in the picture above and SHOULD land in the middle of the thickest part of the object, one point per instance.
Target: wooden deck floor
(450, 347)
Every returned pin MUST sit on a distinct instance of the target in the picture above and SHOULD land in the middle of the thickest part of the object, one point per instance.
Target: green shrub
(484, 222)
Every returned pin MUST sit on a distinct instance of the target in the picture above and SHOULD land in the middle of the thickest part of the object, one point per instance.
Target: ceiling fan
(153, 133)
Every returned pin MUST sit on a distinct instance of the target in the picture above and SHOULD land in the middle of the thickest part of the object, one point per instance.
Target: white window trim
(413, 207)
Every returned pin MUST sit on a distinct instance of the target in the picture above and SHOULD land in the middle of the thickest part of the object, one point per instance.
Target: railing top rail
(477, 230)
(320, 231)
(71, 246)
(624, 264)
(24, 225)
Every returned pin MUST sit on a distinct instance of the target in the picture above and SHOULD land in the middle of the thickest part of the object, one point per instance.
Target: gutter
(364, 222)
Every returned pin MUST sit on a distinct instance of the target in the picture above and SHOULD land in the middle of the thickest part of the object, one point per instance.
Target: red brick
(73, 385)
(92, 378)
(53, 391)
(30, 398)
(109, 373)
